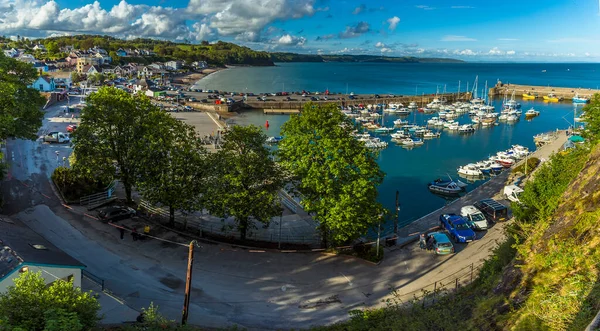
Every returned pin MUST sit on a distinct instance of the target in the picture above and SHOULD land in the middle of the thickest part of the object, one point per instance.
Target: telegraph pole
(188, 284)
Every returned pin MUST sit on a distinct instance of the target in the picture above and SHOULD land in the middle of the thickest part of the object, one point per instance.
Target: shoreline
(187, 81)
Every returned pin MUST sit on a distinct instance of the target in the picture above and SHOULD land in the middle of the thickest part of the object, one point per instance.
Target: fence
(98, 199)
(429, 293)
(197, 225)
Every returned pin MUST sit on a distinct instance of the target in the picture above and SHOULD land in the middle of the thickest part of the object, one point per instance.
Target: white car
(474, 217)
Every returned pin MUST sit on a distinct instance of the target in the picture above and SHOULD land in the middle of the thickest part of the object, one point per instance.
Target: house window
(41, 87)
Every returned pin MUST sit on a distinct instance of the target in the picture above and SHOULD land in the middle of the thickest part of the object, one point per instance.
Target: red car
(71, 128)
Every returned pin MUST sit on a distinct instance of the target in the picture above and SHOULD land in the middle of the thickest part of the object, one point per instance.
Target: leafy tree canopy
(31, 305)
(111, 138)
(20, 113)
(174, 164)
(244, 179)
(335, 173)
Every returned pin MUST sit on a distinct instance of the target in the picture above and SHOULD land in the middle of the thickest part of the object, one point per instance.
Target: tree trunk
(171, 216)
(243, 228)
(127, 192)
(324, 236)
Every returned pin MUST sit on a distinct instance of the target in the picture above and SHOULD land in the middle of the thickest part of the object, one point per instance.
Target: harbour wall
(567, 93)
(280, 106)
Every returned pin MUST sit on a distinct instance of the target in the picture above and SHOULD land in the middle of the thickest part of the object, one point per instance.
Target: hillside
(545, 276)
(293, 57)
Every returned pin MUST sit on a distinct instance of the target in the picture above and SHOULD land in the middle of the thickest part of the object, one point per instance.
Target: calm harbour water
(408, 171)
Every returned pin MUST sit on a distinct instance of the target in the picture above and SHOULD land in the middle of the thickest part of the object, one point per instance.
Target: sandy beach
(189, 80)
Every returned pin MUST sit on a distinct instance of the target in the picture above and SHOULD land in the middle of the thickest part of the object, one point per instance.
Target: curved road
(256, 290)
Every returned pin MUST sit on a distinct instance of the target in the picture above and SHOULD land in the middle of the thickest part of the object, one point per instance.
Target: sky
(482, 30)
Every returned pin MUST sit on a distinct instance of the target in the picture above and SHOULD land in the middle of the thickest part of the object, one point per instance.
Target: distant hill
(293, 57)
(219, 53)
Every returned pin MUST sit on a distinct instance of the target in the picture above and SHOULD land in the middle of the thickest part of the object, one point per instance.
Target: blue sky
(509, 30)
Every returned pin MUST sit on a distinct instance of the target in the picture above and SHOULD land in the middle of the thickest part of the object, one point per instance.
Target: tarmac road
(253, 289)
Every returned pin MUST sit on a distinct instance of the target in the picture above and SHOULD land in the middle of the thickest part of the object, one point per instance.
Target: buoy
(267, 124)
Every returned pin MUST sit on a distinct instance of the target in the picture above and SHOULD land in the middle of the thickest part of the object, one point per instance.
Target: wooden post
(188, 284)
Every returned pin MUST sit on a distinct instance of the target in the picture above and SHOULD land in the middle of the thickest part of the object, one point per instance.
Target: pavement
(254, 289)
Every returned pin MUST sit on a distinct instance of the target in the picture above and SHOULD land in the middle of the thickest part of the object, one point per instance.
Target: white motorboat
(430, 135)
(512, 118)
(402, 111)
(532, 113)
(384, 130)
(399, 135)
(400, 122)
(453, 127)
(412, 105)
(469, 170)
(466, 128)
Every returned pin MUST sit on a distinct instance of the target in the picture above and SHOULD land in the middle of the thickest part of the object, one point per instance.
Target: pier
(566, 93)
(279, 104)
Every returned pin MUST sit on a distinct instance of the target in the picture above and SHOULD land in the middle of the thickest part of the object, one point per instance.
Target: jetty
(491, 188)
(565, 93)
(280, 105)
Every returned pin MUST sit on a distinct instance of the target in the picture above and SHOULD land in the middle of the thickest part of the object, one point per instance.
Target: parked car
(56, 137)
(441, 243)
(71, 128)
(458, 228)
(115, 213)
(492, 209)
(474, 217)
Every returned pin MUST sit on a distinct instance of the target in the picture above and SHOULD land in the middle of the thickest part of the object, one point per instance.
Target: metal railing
(197, 225)
(98, 199)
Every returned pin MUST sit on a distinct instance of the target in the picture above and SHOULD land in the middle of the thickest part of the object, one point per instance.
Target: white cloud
(511, 52)
(393, 22)
(359, 9)
(587, 54)
(462, 7)
(201, 19)
(496, 51)
(466, 52)
(379, 44)
(457, 38)
(289, 40)
(386, 50)
(425, 7)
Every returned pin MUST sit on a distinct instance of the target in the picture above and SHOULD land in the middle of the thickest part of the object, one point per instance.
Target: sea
(409, 170)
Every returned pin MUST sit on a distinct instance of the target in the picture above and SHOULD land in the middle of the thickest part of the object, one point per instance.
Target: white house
(44, 84)
(39, 47)
(23, 250)
(174, 65)
(26, 58)
(200, 64)
(11, 52)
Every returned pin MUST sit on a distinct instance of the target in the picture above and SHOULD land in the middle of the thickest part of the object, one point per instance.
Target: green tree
(174, 165)
(76, 77)
(52, 47)
(335, 173)
(31, 305)
(244, 180)
(20, 113)
(111, 136)
(592, 118)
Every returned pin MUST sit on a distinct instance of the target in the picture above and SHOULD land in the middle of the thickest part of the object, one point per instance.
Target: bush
(73, 184)
(369, 252)
(531, 163)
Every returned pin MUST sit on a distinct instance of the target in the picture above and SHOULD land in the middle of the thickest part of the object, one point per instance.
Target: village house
(174, 65)
(27, 58)
(83, 62)
(121, 52)
(44, 84)
(142, 85)
(40, 66)
(67, 49)
(11, 52)
(23, 250)
(62, 63)
(39, 47)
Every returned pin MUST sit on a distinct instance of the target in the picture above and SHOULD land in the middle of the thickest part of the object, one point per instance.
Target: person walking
(134, 234)
(422, 243)
(122, 231)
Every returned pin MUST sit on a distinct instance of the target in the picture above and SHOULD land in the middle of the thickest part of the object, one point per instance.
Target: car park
(115, 213)
(493, 210)
(458, 228)
(440, 243)
(474, 218)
